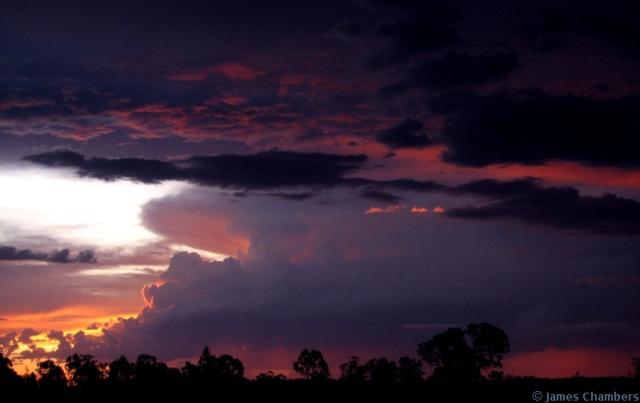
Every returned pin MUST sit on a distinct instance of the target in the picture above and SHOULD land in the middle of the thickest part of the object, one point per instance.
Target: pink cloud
(397, 208)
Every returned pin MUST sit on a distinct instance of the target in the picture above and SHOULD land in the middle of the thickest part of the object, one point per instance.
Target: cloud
(292, 196)
(522, 199)
(380, 195)
(459, 69)
(560, 207)
(363, 280)
(188, 223)
(265, 170)
(392, 209)
(55, 256)
(269, 169)
(68, 296)
(408, 134)
(546, 30)
(555, 27)
(233, 71)
(533, 127)
(420, 27)
(407, 185)
(338, 279)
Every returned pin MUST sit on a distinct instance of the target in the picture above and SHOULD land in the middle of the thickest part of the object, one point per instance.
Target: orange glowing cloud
(397, 208)
(387, 210)
(201, 230)
(419, 210)
(68, 319)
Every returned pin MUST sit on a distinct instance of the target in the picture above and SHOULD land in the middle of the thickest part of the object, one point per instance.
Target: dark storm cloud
(532, 127)
(559, 207)
(55, 256)
(293, 196)
(494, 189)
(380, 195)
(82, 90)
(420, 27)
(459, 69)
(408, 134)
(621, 32)
(269, 169)
(138, 169)
(411, 185)
(546, 30)
(86, 256)
(614, 24)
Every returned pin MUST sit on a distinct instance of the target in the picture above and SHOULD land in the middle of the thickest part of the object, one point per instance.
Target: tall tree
(462, 355)
(51, 375)
(121, 371)
(381, 371)
(352, 371)
(8, 376)
(311, 365)
(410, 370)
(84, 370)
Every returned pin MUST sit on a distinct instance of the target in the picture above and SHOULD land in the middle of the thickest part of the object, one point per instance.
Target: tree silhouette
(214, 369)
(489, 344)
(311, 365)
(461, 355)
(51, 376)
(229, 368)
(150, 371)
(381, 371)
(457, 355)
(224, 367)
(352, 371)
(8, 377)
(206, 359)
(270, 377)
(191, 373)
(121, 371)
(84, 370)
(410, 370)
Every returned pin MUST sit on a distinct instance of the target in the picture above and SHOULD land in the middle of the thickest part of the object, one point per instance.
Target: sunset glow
(424, 192)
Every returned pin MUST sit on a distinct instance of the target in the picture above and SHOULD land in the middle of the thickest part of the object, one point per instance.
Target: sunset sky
(353, 175)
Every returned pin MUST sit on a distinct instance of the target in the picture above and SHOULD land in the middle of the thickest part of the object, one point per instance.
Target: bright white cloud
(83, 211)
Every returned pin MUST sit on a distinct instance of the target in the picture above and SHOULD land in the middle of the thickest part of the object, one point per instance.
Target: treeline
(472, 355)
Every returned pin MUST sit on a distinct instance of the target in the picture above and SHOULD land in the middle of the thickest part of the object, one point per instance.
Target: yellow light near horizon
(41, 340)
(69, 319)
(81, 211)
